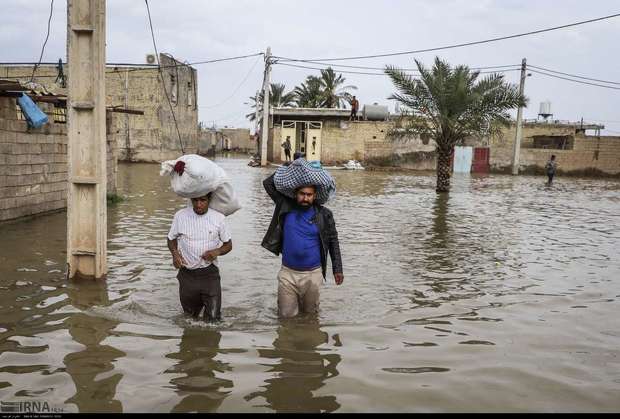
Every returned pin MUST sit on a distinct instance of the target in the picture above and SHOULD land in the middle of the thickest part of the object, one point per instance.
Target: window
(59, 113)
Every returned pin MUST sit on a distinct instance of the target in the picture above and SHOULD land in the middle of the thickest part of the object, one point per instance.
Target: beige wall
(365, 141)
(33, 165)
(590, 154)
(239, 138)
(151, 137)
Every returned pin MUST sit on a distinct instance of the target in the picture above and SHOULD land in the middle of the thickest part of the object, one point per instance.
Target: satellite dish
(150, 58)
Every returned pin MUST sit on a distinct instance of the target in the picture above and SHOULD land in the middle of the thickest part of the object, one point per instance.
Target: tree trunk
(444, 168)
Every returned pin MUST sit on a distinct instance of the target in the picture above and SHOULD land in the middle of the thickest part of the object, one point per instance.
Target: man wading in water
(197, 237)
(304, 232)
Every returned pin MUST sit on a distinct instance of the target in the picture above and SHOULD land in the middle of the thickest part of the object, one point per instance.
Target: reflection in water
(94, 392)
(443, 287)
(300, 370)
(439, 244)
(200, 389)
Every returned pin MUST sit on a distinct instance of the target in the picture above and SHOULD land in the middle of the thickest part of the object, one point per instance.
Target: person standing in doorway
(304, 232)
(551, 168)
(354, 106)
(197, 237)
(287, 148)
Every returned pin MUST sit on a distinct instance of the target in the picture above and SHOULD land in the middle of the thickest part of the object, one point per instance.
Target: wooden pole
(86, 113)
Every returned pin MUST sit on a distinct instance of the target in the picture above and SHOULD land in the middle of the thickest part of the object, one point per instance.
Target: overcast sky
(195, 30)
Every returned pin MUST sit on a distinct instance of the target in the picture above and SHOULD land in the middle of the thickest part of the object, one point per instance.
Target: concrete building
(151, 137)
(328, 135)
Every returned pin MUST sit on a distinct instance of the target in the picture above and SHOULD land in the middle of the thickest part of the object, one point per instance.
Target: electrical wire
(381, 74)
(236, 89)
(574, 81)
(573, 75)
(360, 57)
(382, 68)
(49, 21)
(163, 82)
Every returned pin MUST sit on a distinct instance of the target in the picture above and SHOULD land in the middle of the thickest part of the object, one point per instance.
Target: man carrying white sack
(304, 231)
(197, 237)
(199, 233)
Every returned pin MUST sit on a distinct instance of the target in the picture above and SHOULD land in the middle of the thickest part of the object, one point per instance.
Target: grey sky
(196, 30)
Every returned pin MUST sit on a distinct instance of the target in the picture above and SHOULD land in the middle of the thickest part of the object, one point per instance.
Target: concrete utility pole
(266, 87)
(256, 116)
(86, 120)
(517, 146)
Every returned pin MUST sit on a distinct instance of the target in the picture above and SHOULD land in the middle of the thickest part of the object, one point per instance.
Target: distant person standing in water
(287, 148)
(551, 167)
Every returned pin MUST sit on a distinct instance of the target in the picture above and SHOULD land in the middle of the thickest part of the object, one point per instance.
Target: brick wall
(33, 165)
(590, 154)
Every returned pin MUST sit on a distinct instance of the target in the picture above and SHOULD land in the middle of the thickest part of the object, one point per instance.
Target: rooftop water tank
(375, 112)
(545, 109)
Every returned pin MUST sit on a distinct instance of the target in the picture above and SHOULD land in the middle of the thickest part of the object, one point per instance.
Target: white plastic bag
(193, 176)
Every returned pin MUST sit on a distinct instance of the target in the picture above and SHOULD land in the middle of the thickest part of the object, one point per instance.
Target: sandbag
(193, 176)
(300, 172)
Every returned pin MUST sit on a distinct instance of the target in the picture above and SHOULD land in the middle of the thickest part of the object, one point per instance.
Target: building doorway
(305, 138)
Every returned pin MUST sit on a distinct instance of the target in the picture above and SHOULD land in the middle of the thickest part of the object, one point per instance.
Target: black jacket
(323, 218)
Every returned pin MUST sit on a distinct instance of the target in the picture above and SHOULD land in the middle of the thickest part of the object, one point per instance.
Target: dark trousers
(200, 288)
(550, 176)
(287, 153)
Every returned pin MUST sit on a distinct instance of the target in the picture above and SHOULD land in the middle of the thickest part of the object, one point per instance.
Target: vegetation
(449, 105)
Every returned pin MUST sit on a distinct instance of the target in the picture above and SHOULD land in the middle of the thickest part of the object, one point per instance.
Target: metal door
(462, 159)
(313, 141)
(481, 160)
(288, 130)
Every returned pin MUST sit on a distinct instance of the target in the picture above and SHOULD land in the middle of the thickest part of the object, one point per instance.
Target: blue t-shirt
(301, 247)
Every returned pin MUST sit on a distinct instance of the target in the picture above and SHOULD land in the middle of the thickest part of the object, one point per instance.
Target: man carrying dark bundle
(304, 231)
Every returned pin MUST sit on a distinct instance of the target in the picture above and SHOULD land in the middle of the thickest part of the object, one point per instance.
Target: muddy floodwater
(502, 296)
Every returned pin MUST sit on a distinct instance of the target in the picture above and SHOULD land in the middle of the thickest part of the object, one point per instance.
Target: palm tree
(450, 104)
(277, 99)
(334, 94)
(309, 94)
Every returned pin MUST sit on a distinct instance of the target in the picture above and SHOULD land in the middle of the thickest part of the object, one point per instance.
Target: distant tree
(309, 94)
(278, 97)
(335, 95)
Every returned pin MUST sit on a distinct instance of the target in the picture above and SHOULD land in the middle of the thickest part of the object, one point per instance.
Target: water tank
(545, 109)
(375, 112)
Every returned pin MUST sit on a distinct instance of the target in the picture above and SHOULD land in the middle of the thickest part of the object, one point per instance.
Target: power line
(236, 89)
(319, 68)
(381, 68)
(573, 75)
(575, 81)
(163, 82)
(49, 21)
(382, 74)
(360, 57)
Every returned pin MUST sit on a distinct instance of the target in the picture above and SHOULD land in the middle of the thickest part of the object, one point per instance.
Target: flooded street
(501, 296)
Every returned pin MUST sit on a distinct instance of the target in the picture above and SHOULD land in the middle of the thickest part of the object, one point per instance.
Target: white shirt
(197, 234)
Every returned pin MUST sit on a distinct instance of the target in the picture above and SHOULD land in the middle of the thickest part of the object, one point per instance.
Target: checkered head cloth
(300, 173)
